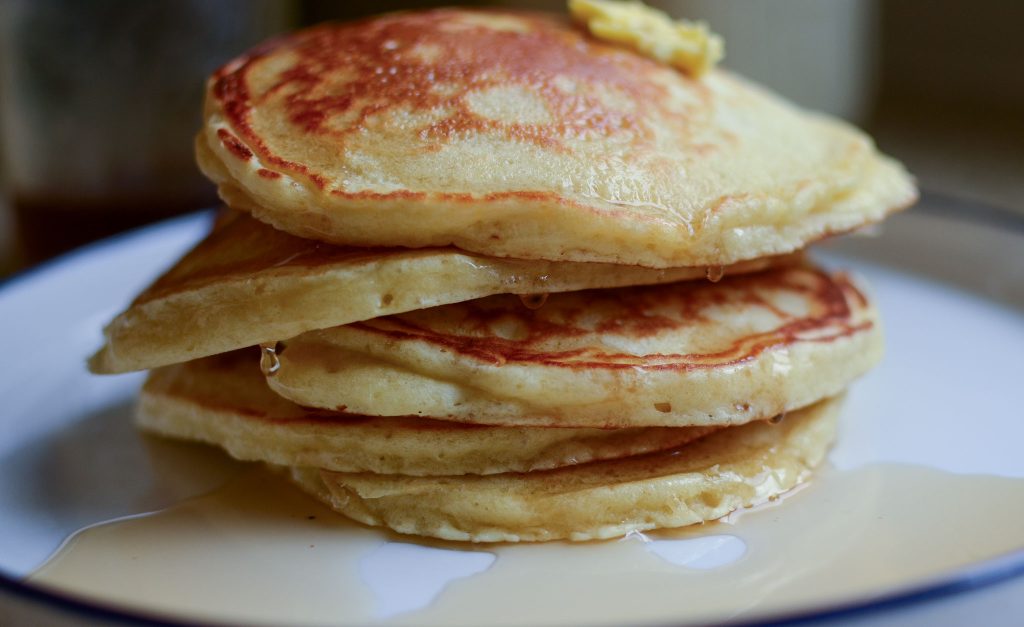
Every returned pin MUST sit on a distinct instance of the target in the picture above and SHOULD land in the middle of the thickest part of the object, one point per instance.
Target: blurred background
(100, 100)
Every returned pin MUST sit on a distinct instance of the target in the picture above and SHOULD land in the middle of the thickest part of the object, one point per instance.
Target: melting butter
(688, 46)
(258, 551)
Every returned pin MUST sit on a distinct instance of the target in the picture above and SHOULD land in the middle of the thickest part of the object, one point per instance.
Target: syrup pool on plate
(883, 519)
(258, 550)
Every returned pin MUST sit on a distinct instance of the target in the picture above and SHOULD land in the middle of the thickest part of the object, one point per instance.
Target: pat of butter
(688, 46)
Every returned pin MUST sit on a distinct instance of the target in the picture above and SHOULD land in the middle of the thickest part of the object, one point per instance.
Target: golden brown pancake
(701, 481)
(464, 239)
(683, 354)
(519, 135)
(248, 283)
(223, 400)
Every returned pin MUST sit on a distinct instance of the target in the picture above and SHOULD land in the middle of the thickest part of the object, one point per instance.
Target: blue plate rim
(984, 574)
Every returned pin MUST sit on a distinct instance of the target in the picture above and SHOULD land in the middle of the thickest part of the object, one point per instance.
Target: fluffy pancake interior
(247, 283)
(697, 482)
(224, 400)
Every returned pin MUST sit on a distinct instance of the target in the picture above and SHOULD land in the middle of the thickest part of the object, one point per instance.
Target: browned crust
(382, 74)
(836, 305)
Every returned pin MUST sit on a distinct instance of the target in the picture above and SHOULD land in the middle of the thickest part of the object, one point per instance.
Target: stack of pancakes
(484, 277)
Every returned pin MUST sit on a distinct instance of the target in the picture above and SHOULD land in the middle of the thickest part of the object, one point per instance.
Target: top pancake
(518, 135)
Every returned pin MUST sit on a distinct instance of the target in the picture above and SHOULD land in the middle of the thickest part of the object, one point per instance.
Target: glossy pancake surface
(248, 283)
(224, 400)
(518, 135)
(682, 354)
(697, 482)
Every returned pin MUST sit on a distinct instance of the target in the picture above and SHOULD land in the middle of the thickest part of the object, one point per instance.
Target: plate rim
(27, 275)
(984, 574)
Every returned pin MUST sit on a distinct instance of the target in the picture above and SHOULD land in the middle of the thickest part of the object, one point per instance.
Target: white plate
(940, 418)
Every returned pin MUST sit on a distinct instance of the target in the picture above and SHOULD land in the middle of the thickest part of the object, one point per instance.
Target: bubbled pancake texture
(683, 354)
(361, 134)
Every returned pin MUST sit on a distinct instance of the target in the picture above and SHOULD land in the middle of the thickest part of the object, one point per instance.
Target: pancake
(701, 481)
(247, 283)
(223, 400)
(519, 135)
(683, 354)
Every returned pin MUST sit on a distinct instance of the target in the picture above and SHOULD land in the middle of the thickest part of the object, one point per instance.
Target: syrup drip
(270, 363)
(714, 273)
(533, 301)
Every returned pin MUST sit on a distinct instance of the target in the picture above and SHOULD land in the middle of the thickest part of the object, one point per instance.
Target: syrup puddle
(703, 553)
(259, 551)
(406, 577)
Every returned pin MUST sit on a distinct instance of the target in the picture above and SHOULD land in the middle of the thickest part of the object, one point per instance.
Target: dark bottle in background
(99, 104)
